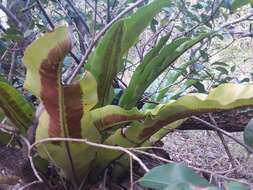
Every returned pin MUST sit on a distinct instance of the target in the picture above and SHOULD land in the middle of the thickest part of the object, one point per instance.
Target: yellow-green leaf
(224, 97)
(109, 116)
(67, 107)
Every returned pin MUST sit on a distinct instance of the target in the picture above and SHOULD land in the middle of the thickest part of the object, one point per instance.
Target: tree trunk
(231, 121)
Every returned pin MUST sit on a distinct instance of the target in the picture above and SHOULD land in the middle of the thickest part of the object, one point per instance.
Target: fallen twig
(231, 159)
(101, 33)
(85, 141)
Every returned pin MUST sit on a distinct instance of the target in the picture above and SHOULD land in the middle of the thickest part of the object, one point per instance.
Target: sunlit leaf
(109, 116)
(224, 97)
(67, 107)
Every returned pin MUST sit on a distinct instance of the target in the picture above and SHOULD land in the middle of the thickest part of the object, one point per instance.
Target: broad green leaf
(148, 71)
(248, 134)
(226, 96)
(107, 58)
(137, 22)
(67, 107)
(171, 177)
(236, 186)
(155, 51)
(105, 157)
(185, 186)
(163, 131)
(187, 84)
(73, 159)
(15, 106)
(109, 116)
(173, 76)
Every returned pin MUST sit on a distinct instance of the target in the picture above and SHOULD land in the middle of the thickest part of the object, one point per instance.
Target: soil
(203, 149)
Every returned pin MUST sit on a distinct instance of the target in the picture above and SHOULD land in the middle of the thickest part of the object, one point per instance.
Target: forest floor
(203, 149)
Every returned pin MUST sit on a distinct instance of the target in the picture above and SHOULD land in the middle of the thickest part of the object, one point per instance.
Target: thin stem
(79, 15)
(223, 141)
(29, 185)
(131, 174)
(29, 147)
(45, 14)
(125, 150)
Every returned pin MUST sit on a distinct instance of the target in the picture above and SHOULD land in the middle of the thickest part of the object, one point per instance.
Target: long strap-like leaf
(106, 60)
(66, 107)
(148, 71)
(110, 116)
(226, 96)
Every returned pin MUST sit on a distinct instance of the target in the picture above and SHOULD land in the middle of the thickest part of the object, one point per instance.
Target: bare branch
(45, 14)
(87, 53)
(55, 139)
(29, 147)
(10, 15)
(78, 14)
(223, 142)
